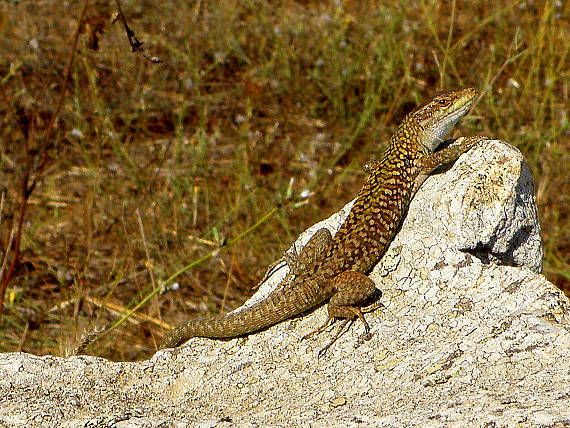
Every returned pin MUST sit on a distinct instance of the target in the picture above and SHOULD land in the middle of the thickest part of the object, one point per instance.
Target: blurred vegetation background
(258, 119)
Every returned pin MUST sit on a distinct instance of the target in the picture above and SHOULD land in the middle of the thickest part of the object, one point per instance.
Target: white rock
(471, 335)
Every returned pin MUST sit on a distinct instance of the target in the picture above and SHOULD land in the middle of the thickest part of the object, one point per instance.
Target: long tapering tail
(293, 299)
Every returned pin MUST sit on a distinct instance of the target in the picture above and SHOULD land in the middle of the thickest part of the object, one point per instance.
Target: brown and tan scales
(334, 269)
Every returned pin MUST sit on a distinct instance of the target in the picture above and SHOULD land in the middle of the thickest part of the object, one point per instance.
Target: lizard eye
(442, 102)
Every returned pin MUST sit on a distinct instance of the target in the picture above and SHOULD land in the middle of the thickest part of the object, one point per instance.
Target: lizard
(333, 269)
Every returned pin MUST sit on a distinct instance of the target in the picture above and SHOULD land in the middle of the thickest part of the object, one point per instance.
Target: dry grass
(153, 166)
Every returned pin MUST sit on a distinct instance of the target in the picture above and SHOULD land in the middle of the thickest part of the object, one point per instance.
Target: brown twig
(27, 186)
(136, 44)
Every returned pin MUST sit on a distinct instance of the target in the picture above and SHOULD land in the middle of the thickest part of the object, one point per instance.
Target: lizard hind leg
(355, 295)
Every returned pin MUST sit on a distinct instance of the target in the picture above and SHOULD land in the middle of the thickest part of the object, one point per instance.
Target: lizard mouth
(454, 116)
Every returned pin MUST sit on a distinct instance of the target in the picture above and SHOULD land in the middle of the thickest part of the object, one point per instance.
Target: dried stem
(27, 186)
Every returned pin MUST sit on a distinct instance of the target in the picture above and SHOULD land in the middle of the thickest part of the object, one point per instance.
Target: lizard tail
(278, 306)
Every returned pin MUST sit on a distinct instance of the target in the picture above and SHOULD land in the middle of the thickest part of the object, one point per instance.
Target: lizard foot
(338, 333)
(319, 329)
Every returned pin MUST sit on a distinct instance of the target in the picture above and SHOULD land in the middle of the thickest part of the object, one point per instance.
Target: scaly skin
(334, 268)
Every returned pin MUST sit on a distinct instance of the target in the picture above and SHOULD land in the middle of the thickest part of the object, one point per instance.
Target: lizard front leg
(452, 152)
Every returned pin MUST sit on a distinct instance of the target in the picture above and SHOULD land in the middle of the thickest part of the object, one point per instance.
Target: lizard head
(435, 118)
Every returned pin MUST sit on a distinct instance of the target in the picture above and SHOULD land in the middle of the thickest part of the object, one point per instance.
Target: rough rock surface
(471, 335)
